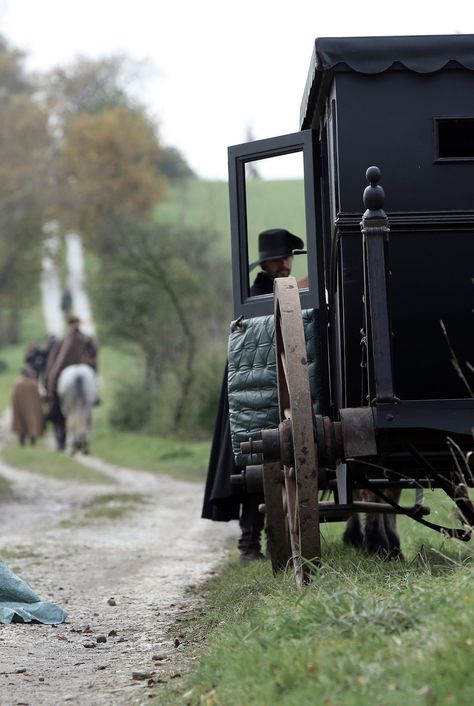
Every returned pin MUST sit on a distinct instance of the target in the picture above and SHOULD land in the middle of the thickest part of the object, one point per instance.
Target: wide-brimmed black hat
(276, 243)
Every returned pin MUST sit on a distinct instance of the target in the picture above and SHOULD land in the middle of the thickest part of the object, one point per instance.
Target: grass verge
(180, 459)
(111, 506)
(4, 487)
(40, 459)
(364, 632)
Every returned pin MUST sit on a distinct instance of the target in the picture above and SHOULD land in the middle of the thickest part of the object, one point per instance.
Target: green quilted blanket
(253, 396)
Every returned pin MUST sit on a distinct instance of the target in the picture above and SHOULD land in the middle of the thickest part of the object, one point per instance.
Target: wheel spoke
(301, 485)
(284, 368)
(277, 535)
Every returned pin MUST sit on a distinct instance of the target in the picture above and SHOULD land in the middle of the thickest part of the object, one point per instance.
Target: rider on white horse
(75, 348)
(77, 392)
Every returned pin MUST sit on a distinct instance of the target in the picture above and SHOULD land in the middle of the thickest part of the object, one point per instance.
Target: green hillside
(197, 203)
(270, 204)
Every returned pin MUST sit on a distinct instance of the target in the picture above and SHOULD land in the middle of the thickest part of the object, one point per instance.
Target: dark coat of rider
(76, 347)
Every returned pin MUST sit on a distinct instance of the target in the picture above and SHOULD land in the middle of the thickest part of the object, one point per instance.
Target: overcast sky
(222, 67)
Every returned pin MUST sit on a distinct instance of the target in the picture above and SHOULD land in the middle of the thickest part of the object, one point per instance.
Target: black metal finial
(374, 195)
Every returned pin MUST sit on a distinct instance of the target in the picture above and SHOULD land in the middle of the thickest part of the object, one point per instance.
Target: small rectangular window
(454, 139)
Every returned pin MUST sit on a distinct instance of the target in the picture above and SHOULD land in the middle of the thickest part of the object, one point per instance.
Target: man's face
(278, 268)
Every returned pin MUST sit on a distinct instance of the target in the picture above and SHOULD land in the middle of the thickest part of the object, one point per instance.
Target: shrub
(131, 406)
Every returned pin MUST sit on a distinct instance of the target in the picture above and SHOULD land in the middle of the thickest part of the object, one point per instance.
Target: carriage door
(275, 183)
(272, 185)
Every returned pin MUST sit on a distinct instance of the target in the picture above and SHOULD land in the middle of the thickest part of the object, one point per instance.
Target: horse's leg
(375, 536)
(380, 530)
(353, 533)
(390, 522)
(60, 435)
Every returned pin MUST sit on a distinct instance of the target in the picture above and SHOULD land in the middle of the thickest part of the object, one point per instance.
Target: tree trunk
(9, 327)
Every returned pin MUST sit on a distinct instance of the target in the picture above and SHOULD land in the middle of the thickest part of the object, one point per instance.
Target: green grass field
(4, 488)
(205, 204)
(201, 204)
(364, 632)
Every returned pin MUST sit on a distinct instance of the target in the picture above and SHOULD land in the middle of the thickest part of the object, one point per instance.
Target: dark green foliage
(209, 375)
(131, 407)
(13, 78)
(24, 144)
(168, 290)
(173, 165)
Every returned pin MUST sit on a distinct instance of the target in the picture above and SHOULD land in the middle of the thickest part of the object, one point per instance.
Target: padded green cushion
(253, 395)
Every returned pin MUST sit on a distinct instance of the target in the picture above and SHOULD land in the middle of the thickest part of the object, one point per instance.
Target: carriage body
(393, 295)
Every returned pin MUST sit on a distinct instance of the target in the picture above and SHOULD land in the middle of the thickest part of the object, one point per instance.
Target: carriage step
(332, 511)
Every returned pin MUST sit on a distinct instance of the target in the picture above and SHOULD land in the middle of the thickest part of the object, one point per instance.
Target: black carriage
(388, 401)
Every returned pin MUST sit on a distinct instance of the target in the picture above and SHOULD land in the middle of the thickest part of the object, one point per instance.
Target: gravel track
(124, 580)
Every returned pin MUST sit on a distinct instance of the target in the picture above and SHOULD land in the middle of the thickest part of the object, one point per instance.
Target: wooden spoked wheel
(294, 399)
(278, 544)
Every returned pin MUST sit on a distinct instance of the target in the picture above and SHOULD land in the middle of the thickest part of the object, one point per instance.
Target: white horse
(77, 391)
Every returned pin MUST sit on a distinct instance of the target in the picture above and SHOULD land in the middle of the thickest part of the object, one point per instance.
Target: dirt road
(123, 582)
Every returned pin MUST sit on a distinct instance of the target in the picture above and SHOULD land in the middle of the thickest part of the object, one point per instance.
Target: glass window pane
(275, 200)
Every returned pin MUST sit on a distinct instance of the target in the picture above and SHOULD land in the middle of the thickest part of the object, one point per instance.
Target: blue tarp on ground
(18, 603)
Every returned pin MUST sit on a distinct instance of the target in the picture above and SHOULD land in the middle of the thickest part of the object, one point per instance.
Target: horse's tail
(79, 391)
(77, 421)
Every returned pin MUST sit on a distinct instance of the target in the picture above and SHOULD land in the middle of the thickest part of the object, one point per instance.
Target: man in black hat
(222, 502)
(276, 248)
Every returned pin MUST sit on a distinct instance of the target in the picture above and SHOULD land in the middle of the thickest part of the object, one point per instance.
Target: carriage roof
(373, 55)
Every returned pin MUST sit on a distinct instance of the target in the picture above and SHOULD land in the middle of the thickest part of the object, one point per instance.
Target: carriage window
(272, 188)
(276, 223)
(454, 139)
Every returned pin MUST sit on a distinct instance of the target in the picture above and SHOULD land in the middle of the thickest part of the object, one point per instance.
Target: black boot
(251, 523)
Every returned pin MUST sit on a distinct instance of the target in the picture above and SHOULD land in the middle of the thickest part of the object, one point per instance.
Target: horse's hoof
(352, 538)
(395, 555)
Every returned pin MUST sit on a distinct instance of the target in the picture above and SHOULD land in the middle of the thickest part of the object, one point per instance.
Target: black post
(375, 231)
